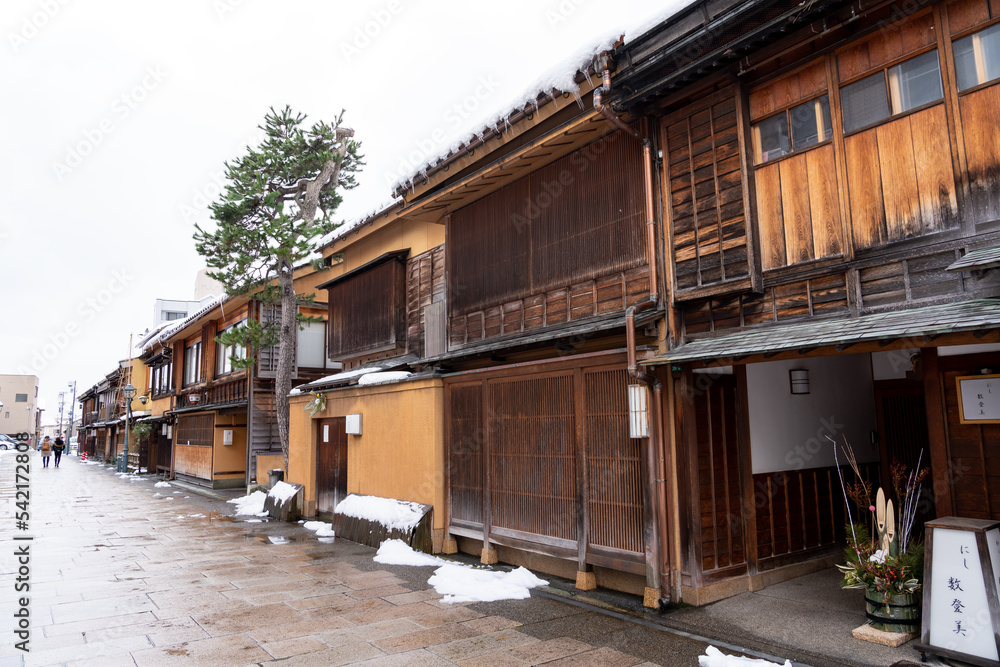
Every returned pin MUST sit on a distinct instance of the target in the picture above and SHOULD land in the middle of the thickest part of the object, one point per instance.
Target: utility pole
(62, 400)
(72, 405)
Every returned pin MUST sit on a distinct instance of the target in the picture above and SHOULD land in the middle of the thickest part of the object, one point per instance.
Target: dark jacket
(59, 445)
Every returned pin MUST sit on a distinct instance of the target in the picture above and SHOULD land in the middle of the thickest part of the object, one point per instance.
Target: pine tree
(277, 201)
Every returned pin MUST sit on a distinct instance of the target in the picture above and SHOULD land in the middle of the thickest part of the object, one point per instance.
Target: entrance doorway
(331, 464)
(901, 417)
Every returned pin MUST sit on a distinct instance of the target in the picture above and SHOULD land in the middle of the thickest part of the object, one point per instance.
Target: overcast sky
(119, 115)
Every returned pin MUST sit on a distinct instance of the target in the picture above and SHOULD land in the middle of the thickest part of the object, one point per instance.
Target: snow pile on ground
(252, 505)
(321, 528)
(398, 552)
(715, 658)
(460, 583)
(157, 495)
(162, 485)
(282, 492)
(384, 377)
(393, 514)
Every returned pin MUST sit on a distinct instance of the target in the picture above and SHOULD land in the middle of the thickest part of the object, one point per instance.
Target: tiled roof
(914, 323)
(977, 260)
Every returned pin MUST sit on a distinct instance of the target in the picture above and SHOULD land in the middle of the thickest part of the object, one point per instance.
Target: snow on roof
(600, 35)
(351, 225)
(176, 325)
(384, 377)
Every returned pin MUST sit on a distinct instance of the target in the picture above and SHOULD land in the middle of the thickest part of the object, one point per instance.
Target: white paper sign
(959, 614)
(326, 433)
(980, 398)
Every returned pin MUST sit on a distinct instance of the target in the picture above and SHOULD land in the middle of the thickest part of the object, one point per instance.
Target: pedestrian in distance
(45, 447)
(58, 449)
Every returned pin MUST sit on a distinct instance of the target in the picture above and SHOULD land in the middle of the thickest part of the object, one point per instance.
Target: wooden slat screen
(576, 219)
(973, 456)
(707, 211)
(368, 311)
(720, 489)
(614, 470)
(196, 430)
(466, 435)
(533, 457)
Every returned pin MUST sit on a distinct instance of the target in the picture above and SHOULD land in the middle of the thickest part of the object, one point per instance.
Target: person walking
(58, 449)
(45, 447)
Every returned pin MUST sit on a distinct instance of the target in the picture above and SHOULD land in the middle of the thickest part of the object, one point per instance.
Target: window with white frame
(311, 348)
(977, 57)
(192, 363)
(894, 90)
(224, 353)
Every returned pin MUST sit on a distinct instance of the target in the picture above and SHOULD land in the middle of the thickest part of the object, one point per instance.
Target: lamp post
(129, 395)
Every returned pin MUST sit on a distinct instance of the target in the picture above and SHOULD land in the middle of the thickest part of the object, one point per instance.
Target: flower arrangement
(317, 404)
(882, 557)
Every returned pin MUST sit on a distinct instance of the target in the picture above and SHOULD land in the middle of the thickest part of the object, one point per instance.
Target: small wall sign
(979, 398)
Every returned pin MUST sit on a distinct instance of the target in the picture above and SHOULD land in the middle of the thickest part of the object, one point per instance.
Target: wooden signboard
(979, 399)
(961, 612)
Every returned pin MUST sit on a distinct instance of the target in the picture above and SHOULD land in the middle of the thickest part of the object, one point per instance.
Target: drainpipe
(655, 453)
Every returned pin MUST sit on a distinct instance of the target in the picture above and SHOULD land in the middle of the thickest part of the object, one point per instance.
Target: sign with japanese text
(960, 589)
(979, 397)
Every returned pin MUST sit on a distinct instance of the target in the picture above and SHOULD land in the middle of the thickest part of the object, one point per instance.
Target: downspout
(655, 452)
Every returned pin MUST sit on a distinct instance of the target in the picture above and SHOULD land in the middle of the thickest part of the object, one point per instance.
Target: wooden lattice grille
(576, 219)
(614, 470)
(533, 457)
(195, 430)
(466, 437)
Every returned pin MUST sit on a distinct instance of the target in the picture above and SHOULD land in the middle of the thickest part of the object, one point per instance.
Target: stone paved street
(126, 573)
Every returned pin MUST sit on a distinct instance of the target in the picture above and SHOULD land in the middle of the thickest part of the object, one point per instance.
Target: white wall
(787, 432)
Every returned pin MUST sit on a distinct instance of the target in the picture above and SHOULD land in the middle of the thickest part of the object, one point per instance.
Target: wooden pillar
(937, 432)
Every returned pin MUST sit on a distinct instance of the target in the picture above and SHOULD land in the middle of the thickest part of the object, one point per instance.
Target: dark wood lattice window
(195, 430)
(368, 308)
(704, 167)
(576, 219)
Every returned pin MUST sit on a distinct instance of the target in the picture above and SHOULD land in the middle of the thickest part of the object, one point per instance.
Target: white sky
(118, 116)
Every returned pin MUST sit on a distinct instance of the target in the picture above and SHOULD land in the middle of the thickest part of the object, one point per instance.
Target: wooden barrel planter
(893, 613)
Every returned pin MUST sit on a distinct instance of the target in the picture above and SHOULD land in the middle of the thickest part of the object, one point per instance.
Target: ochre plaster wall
(400, 453)
(230, 457)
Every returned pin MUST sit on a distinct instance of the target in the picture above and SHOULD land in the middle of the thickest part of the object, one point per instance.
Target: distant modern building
(168, 310)
(19, 396)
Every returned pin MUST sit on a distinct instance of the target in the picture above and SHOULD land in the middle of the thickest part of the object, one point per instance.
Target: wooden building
(829, 180)
(384, 282)
(222, 423)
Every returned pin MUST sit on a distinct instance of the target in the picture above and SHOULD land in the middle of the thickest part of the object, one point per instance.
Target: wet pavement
(123, 572)
(127, 573)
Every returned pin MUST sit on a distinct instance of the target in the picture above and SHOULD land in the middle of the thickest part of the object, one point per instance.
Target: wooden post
(937, 434)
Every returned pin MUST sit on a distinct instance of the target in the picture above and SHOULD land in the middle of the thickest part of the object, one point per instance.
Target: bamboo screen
(195, 430)
(368, 311)
(466, 437)
(533, 458)
(614, 470)
(576, 219)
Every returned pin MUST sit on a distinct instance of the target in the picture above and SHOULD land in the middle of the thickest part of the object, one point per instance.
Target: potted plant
(882, 556)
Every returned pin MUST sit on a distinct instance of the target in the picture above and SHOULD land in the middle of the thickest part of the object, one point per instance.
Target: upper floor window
(977, 57)
(894, 90)
(224, 353)
(192, 363)
(162, 379)
(20, 398)
(793, 129)
(170, 315)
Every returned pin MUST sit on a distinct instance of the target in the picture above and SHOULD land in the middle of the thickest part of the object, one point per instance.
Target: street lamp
(62, 399)
(129, 395)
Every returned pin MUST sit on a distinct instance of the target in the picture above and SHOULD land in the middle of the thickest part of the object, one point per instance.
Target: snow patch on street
(715, 658)
(252, 505)
(321, 528)
(462, 583)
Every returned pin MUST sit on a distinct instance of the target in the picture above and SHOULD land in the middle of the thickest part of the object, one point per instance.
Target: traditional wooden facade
(831, 200)
(223, 419)
(379, 287)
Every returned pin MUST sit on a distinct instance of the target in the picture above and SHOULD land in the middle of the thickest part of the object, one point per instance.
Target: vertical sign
(961, 615)
(326, 433)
